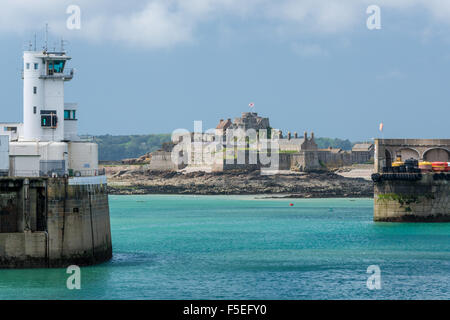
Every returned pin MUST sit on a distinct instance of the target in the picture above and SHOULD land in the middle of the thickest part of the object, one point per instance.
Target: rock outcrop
(311, 185)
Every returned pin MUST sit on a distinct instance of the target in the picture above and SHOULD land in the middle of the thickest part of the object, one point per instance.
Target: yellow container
(397, 163)
(425, 166)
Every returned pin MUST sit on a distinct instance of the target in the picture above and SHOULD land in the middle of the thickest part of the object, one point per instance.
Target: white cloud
(165, 23)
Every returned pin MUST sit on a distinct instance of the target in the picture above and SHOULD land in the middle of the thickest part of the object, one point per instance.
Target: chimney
(280, 134)
(305, 135)
(289, 135)
(295, 135)
(312, 135)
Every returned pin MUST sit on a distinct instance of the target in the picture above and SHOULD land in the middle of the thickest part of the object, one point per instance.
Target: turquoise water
(239, 247)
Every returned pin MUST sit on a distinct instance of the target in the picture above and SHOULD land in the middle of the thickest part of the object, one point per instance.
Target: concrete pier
(401, 198)
(414, 197)
(53, 222)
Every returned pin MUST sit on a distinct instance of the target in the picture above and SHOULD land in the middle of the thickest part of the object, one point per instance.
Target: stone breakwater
(311, 185)
(53, 223)
(407, 197)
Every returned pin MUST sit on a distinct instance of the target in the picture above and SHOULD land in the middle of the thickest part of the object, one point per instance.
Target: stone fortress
(230, 146)
(54, 209)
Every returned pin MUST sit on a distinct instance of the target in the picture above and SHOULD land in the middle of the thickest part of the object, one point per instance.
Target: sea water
(245, 247)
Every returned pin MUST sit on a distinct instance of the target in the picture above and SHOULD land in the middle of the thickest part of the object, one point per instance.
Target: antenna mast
(46, 37)
(35, 41)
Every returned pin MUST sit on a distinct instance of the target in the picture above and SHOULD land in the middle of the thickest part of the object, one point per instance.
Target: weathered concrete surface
(24, 249)
(78, 224)
(48, 223)
(425, 200)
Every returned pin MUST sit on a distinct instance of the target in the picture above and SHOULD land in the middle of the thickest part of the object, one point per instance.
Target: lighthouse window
(34, 110)
(46, 121)
(28, 66)
(34, 90)
(56, 66)
(36, 66)
(69, 115)
(49, 119)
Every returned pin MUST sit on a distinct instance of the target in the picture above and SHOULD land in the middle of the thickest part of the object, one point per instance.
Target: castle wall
(427, 199)
(162, 161)
(306, 161)
(334, 159)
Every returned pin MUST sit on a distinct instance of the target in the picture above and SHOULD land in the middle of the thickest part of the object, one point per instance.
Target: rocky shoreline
(308, 185)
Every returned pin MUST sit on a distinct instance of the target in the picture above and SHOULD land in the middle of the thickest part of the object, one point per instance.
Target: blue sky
(157, 65)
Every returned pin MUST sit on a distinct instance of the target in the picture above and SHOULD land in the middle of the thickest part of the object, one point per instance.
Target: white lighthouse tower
(47, 142)
(43, 95)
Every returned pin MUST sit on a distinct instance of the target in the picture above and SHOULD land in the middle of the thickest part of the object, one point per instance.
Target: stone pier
(411, 197)
(54, 222)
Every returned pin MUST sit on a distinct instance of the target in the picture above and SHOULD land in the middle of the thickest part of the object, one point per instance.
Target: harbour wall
(54, 222)
(412, 197)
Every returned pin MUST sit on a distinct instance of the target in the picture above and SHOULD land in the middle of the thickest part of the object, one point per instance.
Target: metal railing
(87, 173)
(59, 173)
(55, 75)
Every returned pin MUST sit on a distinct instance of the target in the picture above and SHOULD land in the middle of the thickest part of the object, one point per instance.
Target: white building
(47, 143)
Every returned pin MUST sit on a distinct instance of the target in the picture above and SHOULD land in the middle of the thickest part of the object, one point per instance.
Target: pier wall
(51, 222)
(424, 200)
(421, 197)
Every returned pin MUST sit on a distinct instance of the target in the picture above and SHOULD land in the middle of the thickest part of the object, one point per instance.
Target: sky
(153, 66)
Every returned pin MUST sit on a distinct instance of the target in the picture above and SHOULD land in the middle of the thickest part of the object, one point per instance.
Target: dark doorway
(41, 217)
(8, 213)
(388, 157)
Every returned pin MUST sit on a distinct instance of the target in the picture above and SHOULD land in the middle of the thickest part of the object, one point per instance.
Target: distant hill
(324, 143)
(115, 148)
(124, 147)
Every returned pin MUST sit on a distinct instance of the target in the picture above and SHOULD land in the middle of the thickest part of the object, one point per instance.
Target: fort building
(246, 143)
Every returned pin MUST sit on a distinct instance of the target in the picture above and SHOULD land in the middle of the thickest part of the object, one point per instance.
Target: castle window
(34, 90)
